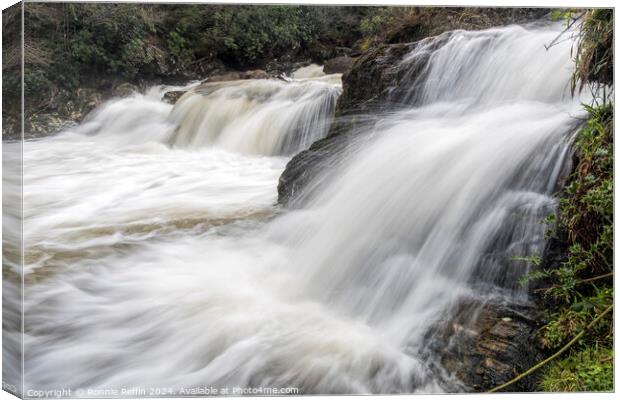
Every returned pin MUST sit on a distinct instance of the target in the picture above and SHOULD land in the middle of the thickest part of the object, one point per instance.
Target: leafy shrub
(114, 36)
(377, 22)
(36, 82)
(587, 210)
(180, 48)
(134, 56)
(246, 35)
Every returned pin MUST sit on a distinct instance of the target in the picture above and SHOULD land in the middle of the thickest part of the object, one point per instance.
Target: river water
(156, 257)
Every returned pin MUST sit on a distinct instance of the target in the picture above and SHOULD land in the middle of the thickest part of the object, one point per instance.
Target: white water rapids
(258, 116)
(155, 256)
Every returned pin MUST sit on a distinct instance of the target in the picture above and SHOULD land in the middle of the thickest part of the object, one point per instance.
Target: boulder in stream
(338, 65)
(173, 96)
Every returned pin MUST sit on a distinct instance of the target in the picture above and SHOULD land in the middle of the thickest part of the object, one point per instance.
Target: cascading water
(267, 117)
(155, 262)
(310, 71)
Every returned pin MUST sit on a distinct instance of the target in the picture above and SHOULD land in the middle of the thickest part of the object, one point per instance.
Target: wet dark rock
(285, 65)
(338, 65)
(305, 166)
(407, 33)
(124, 90)
(486, 345)
(88, 100)
(321, 52)
(75, 104)
(173, 96)
(345, 51)
(228, 76)
(236, 75)
(255, 74)
(367, 84)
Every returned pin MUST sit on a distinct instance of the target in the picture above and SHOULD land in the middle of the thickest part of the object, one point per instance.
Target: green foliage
(537, 274)
(408, 24)
(100, 45)
(35, 82)
(562, 14)
(84, 48)
(377, 22)
(580, 286)
(109, 37)
(594, 55)
(12, 87)
(377, 25)
(134, 40)
(580, 289)
(69, 40)
(248, 34)
(534, 260)
(134, 56)
(566, 322)
(590, 369)
(180, 48)
(587, 209)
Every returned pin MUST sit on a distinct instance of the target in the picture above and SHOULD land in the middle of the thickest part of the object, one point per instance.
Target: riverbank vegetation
(69, 44)
(77, 54)
(579, 287)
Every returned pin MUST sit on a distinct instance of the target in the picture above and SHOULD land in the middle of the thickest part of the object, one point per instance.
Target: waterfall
(464, 66)
(156, 258)
(267, 117)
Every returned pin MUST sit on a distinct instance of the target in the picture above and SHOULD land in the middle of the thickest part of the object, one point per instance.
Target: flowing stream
(155, 256)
